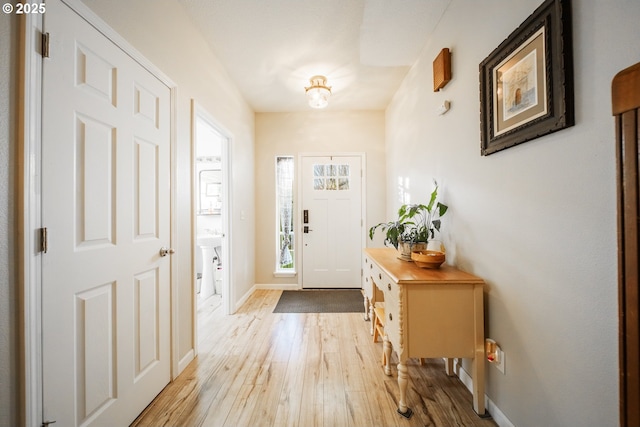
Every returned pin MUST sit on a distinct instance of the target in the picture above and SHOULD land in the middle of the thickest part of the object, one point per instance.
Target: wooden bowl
(428, 259)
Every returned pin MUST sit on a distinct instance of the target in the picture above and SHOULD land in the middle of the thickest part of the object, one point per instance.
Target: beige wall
(281, 134)
(537, 221)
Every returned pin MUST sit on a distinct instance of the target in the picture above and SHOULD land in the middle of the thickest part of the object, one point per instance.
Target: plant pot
(405, 248)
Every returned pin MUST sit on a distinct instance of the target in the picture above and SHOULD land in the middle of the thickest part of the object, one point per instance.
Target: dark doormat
(321, 301)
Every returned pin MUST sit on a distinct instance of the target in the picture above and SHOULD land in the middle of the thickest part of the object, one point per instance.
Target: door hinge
(43, 240)
(45, 45)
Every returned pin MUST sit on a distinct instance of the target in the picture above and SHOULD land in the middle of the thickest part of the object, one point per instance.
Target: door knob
(164, 251)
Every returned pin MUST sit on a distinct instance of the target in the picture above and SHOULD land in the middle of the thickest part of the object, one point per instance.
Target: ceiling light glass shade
(318, 93)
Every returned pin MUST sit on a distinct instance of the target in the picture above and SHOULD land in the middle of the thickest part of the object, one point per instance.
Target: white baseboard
(498, 416)
(184, 362)
(276, 286)
(244, 298)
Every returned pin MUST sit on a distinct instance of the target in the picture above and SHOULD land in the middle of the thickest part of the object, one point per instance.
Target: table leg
(371, 315)
(478, 383)
(366, 308)
(386, 350)
(403, 381)
(449, 366)
(479, 355)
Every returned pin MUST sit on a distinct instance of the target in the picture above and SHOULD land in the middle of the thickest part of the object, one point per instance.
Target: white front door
(106, 206)
(331, 221)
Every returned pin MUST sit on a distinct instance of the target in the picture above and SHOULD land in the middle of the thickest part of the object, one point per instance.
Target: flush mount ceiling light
(318, 93)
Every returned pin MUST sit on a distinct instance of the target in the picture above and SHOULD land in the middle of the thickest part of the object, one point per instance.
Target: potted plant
(395, 231)
(423, 220)
(415, 226)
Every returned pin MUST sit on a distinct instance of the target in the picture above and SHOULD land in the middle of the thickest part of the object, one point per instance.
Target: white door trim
(198, 110)
(29, 198)
(299, 190)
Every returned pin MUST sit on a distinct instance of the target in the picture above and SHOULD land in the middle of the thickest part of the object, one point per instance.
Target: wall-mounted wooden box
(441, 69)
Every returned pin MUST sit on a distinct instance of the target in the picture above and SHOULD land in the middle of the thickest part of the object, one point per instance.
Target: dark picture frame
(526, 83)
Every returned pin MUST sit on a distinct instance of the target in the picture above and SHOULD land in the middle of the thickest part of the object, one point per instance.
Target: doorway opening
(211, 207)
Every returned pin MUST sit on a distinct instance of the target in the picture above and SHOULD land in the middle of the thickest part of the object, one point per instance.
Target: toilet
(198, 268)
(217, 270)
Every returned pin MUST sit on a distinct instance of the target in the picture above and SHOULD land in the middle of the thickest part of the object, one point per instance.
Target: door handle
(166, 251)
(306, 229)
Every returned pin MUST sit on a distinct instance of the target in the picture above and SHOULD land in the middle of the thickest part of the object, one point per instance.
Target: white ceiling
(271, 48)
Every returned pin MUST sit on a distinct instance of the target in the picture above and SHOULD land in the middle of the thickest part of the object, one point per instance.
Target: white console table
(429, 313)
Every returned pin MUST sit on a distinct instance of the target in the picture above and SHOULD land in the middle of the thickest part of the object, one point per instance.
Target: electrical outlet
(494, 354)
(500, 359)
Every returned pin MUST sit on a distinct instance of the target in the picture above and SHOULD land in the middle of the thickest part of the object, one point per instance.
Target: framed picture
(526, 83)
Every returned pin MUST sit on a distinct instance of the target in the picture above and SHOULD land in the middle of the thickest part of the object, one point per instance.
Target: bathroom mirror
(210, 192)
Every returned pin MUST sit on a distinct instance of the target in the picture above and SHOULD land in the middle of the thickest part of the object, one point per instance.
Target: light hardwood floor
(258, 368)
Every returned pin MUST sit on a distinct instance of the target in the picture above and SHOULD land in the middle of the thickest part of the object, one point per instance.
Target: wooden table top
(407, 272)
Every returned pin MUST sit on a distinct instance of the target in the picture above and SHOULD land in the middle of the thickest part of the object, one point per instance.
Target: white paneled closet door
(106, 207)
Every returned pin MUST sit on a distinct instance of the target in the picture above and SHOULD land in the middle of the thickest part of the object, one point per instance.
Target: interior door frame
(299, 191)
(29, 199)
(198, 110)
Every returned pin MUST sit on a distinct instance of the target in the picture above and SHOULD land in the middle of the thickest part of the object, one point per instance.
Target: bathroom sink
(209, 240)
(208, 264)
